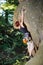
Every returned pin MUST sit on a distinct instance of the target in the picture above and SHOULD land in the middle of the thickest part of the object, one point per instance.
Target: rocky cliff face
(38, 58)
(34, 20)
(33, 17)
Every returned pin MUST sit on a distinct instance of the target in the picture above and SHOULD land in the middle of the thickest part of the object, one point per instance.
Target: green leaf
(8, 6)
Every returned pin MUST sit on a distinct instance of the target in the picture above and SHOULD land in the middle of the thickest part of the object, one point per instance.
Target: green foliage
(11, 46)
(8, 6)
(19, 63)
(13, 2)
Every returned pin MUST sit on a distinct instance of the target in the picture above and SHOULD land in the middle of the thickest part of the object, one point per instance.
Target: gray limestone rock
(34, 20)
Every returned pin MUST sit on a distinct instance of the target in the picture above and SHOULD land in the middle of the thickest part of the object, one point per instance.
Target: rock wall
(33, 17)
(34, 20)
(38, 58)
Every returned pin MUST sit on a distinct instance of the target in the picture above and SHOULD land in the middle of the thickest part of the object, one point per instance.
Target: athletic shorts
(30, 45)
(26, 35)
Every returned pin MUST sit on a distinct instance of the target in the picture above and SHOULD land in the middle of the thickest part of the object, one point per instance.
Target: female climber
(27, 38)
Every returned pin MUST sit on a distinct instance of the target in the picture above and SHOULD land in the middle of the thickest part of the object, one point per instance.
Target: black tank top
(23, 30)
